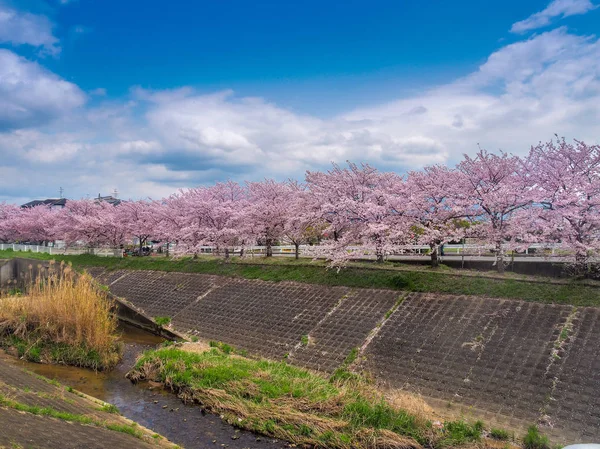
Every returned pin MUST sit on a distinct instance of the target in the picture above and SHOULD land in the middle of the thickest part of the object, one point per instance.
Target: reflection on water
(153, 408)
(106, 386)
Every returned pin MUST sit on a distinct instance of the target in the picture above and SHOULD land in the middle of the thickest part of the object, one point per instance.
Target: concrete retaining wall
(514, 362)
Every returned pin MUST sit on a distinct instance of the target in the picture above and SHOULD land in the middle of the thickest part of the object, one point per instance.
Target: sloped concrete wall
(523, 362)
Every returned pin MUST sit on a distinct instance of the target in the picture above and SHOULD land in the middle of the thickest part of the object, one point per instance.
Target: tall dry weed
(64, 307)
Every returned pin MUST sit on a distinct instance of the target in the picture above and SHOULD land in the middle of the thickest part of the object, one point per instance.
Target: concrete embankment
(35, 412)
(510, 362)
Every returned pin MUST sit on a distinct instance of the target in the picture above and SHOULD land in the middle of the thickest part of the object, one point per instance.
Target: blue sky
(149, 97)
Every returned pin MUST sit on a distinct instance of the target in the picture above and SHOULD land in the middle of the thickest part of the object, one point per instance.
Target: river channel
(155, 408)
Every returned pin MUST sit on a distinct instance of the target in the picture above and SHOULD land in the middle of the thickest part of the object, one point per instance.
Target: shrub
(162, 321)
(499, 434)
(535, 440)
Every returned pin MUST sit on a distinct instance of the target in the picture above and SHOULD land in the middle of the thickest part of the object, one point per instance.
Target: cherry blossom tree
(8, 218)
(266, 213)
(139, 220)
(301, 221)
(567, 182)
(357, 203)
(223, 208)
(497, 186)
(93, 223)
(36, 224)
(437, 205)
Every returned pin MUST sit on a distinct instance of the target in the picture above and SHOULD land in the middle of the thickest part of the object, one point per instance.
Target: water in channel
(154, 408)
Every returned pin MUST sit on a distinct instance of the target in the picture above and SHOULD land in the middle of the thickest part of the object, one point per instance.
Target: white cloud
(99, 92)
(557, 8)
(31, 95)
(159, 141)
(21, 28)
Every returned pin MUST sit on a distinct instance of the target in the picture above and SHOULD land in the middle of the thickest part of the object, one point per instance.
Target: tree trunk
(269, 245)
(581, 263)
(435, 261)
(226, 253)
(499, 258)
(241, 252)
(335, 236)
(168, 244)
(297, 245)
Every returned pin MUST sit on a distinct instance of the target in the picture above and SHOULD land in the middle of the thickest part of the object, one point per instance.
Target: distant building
(54, 203)
(109, 199)
(59, 203)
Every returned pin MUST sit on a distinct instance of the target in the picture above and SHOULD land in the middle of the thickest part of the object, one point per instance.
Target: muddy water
(153, 408)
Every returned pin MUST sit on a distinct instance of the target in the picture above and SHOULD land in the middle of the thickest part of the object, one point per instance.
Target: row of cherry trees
(552, 195)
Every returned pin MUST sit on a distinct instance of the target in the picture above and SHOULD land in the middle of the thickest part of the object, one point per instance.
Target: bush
(499, 434)
(535, 440)
(162, 321)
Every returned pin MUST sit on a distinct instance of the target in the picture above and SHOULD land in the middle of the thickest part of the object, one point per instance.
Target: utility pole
(61, 190)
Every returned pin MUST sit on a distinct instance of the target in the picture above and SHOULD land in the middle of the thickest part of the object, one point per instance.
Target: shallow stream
(154, 408)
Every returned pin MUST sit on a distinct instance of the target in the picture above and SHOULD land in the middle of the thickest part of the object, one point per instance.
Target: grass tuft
(162, 321)
(535, 440)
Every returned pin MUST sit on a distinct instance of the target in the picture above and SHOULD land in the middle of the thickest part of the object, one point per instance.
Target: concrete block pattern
(575, 403)
(497, 356)
(489, 353)
(345, 328)
(262, 317)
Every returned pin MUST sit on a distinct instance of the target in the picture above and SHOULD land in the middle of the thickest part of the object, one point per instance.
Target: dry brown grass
(64, 308)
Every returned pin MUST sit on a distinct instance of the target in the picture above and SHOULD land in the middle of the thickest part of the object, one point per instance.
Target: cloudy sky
(151, 97)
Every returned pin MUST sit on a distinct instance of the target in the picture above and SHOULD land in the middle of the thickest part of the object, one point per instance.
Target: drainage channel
(149, 405)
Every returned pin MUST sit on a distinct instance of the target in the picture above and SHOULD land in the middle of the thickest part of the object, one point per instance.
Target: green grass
(34, 349)
(287, 402)
(457, 433)
(360, 276)
(535, 440)
(110, 408)
(128, 428)
(499, 434)
(304, 340)
(162, 321)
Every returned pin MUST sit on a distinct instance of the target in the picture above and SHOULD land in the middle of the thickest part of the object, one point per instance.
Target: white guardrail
(466, 250)
(106, 252)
